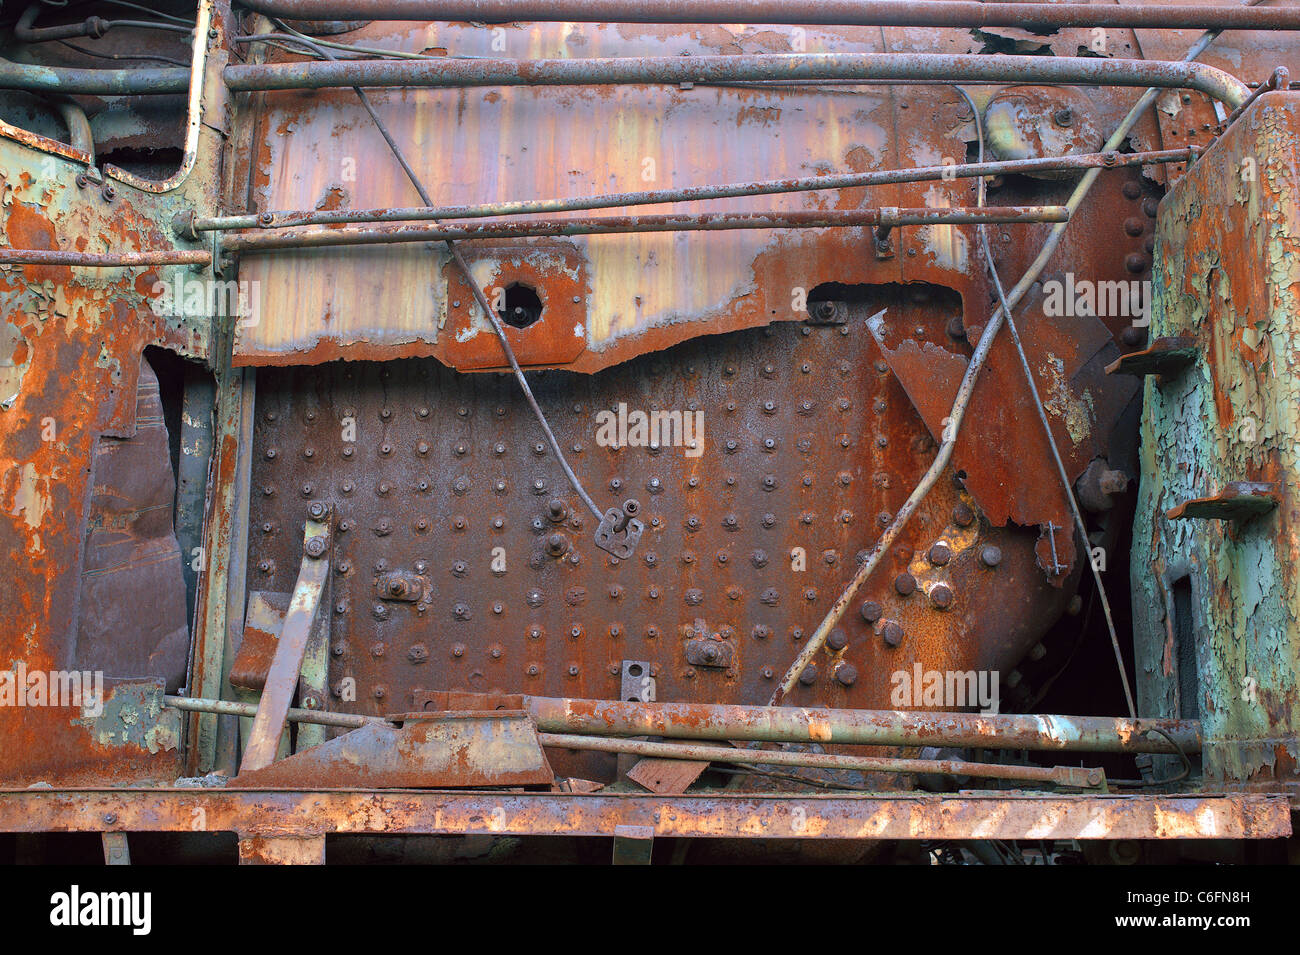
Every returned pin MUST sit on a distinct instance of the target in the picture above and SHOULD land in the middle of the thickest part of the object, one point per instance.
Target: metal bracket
(619, 531)
(1165, 357)
(1238, 501)
(282, 679)
(881, 242)
(633, 844)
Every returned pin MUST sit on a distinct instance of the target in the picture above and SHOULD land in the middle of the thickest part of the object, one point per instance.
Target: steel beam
(273, 813)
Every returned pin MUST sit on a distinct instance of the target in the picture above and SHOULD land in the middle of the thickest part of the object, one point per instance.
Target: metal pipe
(966, 68)
(190, 225)
(33, 78)
(93, 27)
(80, 135)
(938, 13)
(296, 715)
(617, 225)
(104, 260)
(785, 724)
(1061, 775)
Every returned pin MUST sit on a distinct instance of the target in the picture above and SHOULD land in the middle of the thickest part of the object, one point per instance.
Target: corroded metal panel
(1221, 596)
(807, 445)
(627, 294)
(71, 345)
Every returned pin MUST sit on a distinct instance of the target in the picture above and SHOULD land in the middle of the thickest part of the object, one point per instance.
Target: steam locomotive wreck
(486, 429)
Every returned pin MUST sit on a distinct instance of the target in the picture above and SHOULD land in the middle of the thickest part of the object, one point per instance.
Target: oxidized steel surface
(71, 344)
(1004, 816)
(808, 442)
(1223, 592)
(645, 292)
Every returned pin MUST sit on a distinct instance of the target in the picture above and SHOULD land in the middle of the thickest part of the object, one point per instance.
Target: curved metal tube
(194, 112)
(79, 133)
(965, 68)
(939, 13)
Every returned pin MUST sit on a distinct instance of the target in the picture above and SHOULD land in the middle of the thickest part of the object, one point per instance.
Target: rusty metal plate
(430, 751)
(809, 446)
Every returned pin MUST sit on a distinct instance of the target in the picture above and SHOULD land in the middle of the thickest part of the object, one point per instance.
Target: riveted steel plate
(808, 445)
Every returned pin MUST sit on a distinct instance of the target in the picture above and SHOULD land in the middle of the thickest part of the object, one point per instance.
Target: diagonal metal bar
(282, 680)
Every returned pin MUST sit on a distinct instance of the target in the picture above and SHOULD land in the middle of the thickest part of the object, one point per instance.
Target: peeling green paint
(1227, 266)
(133, 715)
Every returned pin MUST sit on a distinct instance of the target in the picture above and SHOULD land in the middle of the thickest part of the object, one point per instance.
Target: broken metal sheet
(132, 602)
(428, 751)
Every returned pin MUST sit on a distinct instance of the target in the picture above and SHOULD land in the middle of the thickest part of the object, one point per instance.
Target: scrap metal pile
(864, 424)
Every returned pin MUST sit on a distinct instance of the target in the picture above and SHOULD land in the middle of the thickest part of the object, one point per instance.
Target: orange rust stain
(30, 230)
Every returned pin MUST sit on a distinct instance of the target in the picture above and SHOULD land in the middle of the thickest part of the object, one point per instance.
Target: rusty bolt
(940, 554)
(962, 515)
(109, 193)
(1063, 117)
(809, 675)
(991, 556)
(265, 219)
(557, 511)
(316, 510)
(1133, 336)
(316, 546)
(557, 545)
(905, 584)
(941, 596)
(846, 674)
(892, 634)
(837, 640)
(871, 611)
(1113, 482)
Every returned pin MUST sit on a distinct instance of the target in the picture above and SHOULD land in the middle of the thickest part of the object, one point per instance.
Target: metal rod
(189, 225)
(296, 715)
(104, 260)
(963, 67)
(1061, 775)
(788, 724)
(940, 13)
(617, 225)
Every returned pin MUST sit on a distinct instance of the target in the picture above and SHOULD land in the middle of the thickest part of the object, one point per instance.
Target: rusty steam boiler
(852, 430)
